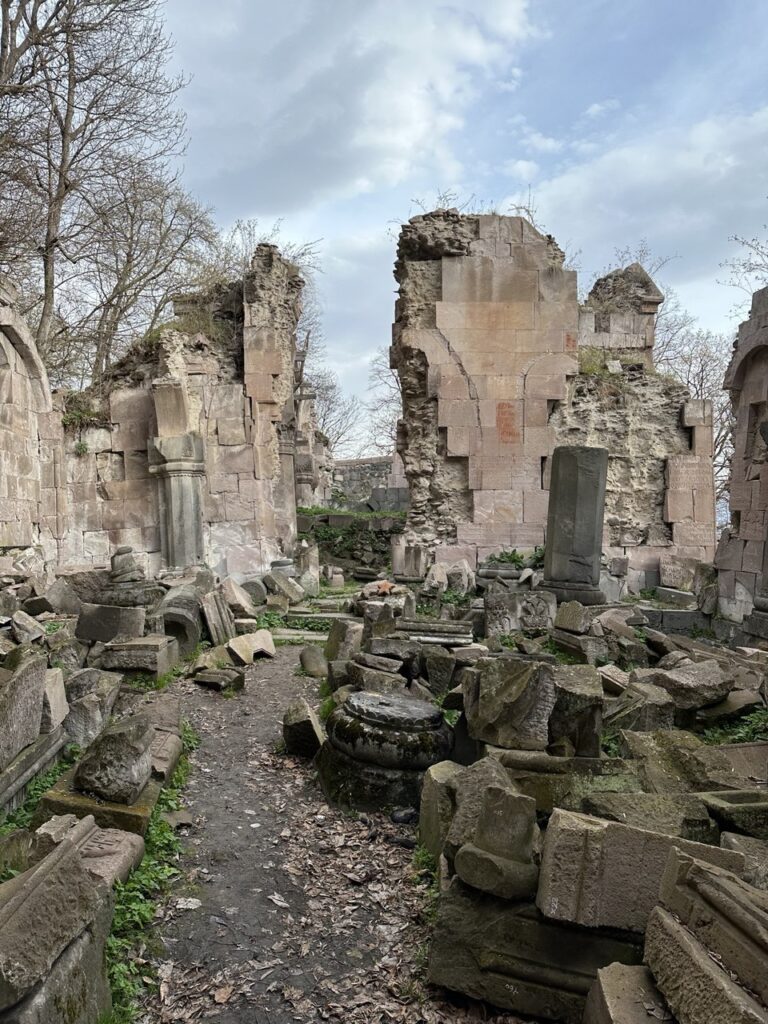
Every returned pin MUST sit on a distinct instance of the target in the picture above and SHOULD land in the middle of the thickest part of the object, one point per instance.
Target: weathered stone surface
(277, 582)
(507, 954)
(220, 679)
(573, 617)
(68, 653)
(374, 680)
(218, 617)
(740, 810)
(437, 805)
(642, 707)
(42, 911)
(344, 639)
(461, 577)
(63, 798)
(508, 703)
(118, 765)
(302, 732)
(180, 617)
(105, 622)
(725, 914)
(55, 706)
(624, 995)
(683, 815)
(755, 853)
(577, 714)
(25, 629)
(63, 598)
(690, 684)
(245, 649)
(696, 988)
(22, 694)
(604, 874)
(575, 517)
(436, 580)
(468, 788)
(153, 654)
(338, 675)
(674, 761)
(389, 730)
(255, 590)
(313, 661)
(439, 667)
(509, 611)
(106, 853)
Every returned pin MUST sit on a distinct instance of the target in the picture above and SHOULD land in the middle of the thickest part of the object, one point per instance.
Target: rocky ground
(289, 910)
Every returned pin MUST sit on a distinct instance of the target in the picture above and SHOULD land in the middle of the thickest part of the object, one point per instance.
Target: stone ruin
(491, 346)
(597, 859)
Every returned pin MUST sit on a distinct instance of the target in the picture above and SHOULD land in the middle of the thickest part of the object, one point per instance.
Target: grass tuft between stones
(137, 899)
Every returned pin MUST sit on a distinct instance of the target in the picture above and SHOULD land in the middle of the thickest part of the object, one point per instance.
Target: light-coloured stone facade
(487, 342)
(185, 451)
(741, 553)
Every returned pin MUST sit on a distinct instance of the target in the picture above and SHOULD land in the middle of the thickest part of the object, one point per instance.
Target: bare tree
(96, 91)
(385, 404)
(748, 271)
(337, 414)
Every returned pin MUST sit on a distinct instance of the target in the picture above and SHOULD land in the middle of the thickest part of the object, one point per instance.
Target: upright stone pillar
(285, 491)
(178, 463)
(575, 523)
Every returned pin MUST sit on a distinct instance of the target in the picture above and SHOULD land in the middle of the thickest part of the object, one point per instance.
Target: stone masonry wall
(487, 337)
(188, 454)
(741, 558)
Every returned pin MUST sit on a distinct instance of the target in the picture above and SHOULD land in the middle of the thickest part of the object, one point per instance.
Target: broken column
(575, 523)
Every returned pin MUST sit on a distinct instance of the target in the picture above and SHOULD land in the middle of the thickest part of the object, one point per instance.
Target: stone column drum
(575, 523)
(178, 463)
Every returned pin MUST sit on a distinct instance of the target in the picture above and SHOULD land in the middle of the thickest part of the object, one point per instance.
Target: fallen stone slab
(65, 652)
(154, 655)
(63, 598)
(166, 751)
(374, 680)
(675, 761)
(691, 685)
(625, 995)
(642, 707)
(696, 988)
(755, 853)
(313, 661)
(244, 650)
(278, 583)
(573, 617)
(31, 762)
(22, 691)
(507, 954)
(105, 622)
(749, 761)
(302, 732)
(178, 614)
(566, 781)
(683, 815)
(602, 874)
(587, 650)
(239, 600)
(220, 679)
(42, 911)
(345, 639)
(63, 798)
(118, 765)
(508, 702)
(218, 617)
(726, 915)
(437, 806)
(106, 853)
(577, 714)
(466, 790)
(740, 810)
(55, 705)
(25, 629)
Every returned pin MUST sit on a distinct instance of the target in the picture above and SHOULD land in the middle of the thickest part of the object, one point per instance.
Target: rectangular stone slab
(624, 995)
(604, 874)
(33, 760)
(510, 956)
(41, 911)
(21, 707)
(696, 988)
(62, 799)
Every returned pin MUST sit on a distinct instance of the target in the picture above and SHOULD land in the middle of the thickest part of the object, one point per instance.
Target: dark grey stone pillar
(179, 467)
(575, 523)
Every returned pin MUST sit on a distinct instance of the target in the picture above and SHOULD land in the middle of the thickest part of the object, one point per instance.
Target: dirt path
(306, 913)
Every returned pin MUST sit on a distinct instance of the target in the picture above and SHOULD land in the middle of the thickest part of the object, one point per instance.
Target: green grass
(311, 625)
(136, 899)
(454, 597)
(22, 816)
(142, 682)
(53, 627)
(270, 620)
(749, 729)
(325, 709)
(564, 657)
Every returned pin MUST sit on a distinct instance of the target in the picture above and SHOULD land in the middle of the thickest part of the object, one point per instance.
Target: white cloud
(522, 170)
(326, 101)
(595, 110)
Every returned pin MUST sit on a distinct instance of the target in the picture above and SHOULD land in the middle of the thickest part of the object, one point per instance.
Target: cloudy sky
(628, 120)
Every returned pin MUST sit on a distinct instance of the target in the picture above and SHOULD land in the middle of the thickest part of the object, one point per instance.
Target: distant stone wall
(488, 342)
(379, 482)
(186, 450)
(741, 558)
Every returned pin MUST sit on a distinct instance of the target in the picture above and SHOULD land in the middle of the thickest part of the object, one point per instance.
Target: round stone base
(366, 787)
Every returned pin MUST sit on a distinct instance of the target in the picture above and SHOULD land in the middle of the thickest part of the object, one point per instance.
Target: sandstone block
(508, 703)
(105, 622)
(55, 706)
(344, 639)
(437, 805)
(302, 732)
(624, 995)
(604, 874)
(245, 649)
(573, 617)
(118, 765)
(22, 693)
(689, 684)
(577, 715)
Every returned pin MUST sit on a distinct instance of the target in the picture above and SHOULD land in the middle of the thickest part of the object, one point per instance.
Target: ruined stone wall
(741, 553)
(185, 451)
(487, 341)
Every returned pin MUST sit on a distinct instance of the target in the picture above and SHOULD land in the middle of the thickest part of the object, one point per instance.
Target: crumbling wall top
(627, 290)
